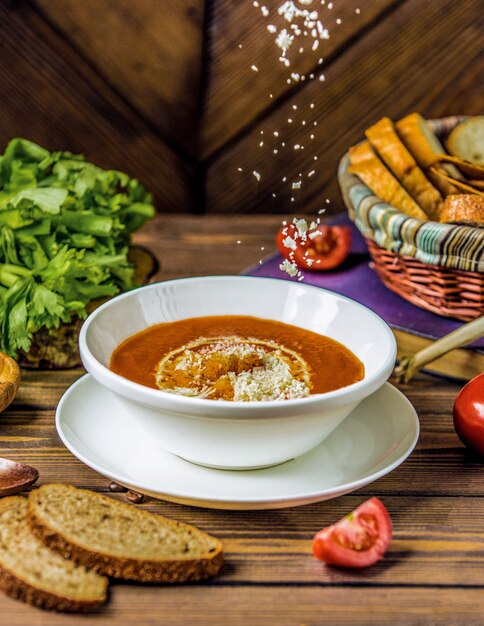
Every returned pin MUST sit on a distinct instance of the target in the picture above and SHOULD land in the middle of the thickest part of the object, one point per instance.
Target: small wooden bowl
(9, 380)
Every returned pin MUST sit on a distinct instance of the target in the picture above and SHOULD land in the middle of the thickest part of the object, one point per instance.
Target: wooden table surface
(433, 572)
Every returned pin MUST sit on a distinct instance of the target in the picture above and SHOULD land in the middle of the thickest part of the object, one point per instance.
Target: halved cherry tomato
(358, 540)
(322, 248)
(469, 414)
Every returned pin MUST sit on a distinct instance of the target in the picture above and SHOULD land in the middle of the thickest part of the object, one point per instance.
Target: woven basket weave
(414, 258)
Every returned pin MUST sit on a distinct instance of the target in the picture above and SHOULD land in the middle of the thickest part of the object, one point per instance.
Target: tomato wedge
(321, 248)
(358, 540)
(469, 414)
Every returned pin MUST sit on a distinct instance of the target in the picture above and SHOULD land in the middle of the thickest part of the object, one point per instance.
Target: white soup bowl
(238, 435)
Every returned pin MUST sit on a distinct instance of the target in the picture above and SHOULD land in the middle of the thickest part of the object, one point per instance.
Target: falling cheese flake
(289, 267)
(284, 40)
(289, 242)
(302, 22)
(302, 19)
(301, 226)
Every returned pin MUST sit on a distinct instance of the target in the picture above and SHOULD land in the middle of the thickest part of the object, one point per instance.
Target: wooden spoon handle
(462, 336)
(9, 380)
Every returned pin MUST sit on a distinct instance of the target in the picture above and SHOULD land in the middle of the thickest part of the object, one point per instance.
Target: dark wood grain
(405, 64)
(433, 572)
(235, 94)
(151, 56)
(164, 92)
(51, 96)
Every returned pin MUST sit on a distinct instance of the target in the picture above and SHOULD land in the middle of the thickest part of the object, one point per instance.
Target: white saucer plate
(104, 433)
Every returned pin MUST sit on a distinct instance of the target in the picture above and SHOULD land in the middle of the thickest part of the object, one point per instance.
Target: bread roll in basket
(436, 266)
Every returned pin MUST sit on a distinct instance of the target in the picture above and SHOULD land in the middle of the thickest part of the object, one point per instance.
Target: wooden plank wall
(165, 90)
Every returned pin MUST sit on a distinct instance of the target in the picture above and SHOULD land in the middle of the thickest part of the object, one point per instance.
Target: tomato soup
(235, 357)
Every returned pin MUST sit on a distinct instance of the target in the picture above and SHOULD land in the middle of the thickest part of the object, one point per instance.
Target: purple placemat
(357, 280)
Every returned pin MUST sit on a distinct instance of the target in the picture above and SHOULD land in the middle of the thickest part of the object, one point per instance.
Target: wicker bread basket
(438, 267)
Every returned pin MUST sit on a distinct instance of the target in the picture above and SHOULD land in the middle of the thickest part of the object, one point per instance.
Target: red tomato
(322, 248)
(469, 414)
(358, 540)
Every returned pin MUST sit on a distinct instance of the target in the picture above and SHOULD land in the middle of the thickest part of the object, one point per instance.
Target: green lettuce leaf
(65, 227)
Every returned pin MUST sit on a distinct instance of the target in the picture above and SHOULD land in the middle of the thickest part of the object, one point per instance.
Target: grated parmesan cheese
(234, 368)
(289, 242)
(274, 381)
(289, 268)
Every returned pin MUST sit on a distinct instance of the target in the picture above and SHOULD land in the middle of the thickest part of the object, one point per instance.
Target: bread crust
(365, 163)
(142, 570)
(464, 209)
(21, 590)
(423, 144)
(461, 187)
(383, 137)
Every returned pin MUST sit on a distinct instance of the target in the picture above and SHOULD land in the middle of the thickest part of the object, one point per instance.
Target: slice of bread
(29, 571)
(464, 209)
(401, 163)
(366, 165)
(467, 140)
(421, 141)
(121, 540)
